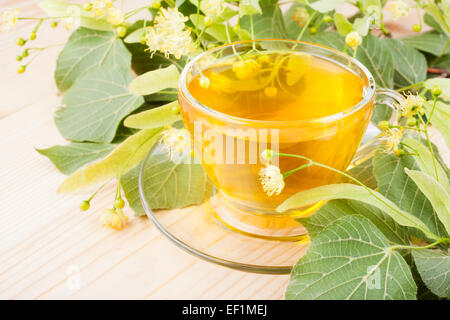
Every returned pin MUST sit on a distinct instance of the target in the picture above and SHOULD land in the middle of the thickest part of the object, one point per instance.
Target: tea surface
(289, 86)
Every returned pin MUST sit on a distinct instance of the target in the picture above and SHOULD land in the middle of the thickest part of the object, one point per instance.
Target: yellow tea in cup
(304, 101)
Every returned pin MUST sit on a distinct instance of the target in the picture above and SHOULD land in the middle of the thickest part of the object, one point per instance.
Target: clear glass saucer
(205, 232)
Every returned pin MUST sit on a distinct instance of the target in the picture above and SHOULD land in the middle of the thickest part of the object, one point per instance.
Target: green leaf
(410, 65)
(87, 49)
(154, 118)
(216, 30)
(440, 118)
(249, 7)
(424, 159)
(56, 9)
(325, 5)
(435, 192)
(429, 20)
(375, 55)
(135, 36)
(351, 259)
(155, 80)
(96, 104)
(432, 42)
(69, 158)
(270, 24)
(336, 209)
(168, 185)
(362, 25)
(442, 83)
(331, 39)
(343, 26)
(442, 18)
(395, 184)
(364, 173)
(357, 193)
(129, 153)
(434, 269)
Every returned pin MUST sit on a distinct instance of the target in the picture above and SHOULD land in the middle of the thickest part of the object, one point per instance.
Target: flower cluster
(105, 9)
(392, 138)
(353, 40)
(9, 19)
(272, 180)
(114, 218)
(399, 8)
(168, 35)
(412, 105)
(246, 69)
(176, 141)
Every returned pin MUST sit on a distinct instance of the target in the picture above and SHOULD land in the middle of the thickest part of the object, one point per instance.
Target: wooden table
(47, 246)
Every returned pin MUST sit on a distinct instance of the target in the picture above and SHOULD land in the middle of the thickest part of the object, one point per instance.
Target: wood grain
(45, 240)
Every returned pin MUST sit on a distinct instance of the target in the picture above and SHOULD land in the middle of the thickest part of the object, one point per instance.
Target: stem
(252, 31)
(305, 26)
(432, 110)
(442, 240)
(198, 17)
(288, 173)
(93, 195)
(429, 147)
(410, 87)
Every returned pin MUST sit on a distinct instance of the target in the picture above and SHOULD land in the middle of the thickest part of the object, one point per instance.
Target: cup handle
(387, 97)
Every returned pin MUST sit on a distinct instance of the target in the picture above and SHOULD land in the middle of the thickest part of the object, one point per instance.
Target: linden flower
(9, 19)
(101, 6)
(115, 16)
(73, 19)
(113, 218)
(212, 7)
(168, 36)
(272, 180)
(300, 16)
(399, 8)
(392, 138)
(411, 105)
(176, 141)
(353, 40)
(246, 69)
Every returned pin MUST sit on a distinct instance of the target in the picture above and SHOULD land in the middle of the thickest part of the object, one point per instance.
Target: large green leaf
(129, 153)
(410, 65)
(167, 185)
(336, 209)
(432, 42)
(434, 269)
(424, 159)
(155, 80)
(56, 9)
(95, 106)
(351, 259)
(249, 7)
(86, 50)
(376, 56)
(436, 194)
(75, 155)
(395, 184)
(269, 24)
(331, 39)
(356, 193)
(154, 118)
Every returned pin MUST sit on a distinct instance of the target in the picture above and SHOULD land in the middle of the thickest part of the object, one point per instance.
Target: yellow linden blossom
(220, 83)
(411, 105)
(101, 6)
(212, 7)
(168, 35)
(177, 141)
(353, 40)
(9, 19)
(272, 180)
(300, 16)
(113, 218)
(392, 138)
(115, 16)
(246, 69)
(399, 8)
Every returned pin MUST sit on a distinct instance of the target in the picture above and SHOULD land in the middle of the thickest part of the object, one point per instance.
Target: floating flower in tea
(272, 180)
(246, 69)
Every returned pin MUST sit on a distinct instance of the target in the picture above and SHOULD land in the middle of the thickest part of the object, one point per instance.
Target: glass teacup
(231, 145)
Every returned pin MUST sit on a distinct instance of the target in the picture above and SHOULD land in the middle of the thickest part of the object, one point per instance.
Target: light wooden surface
(47, 245)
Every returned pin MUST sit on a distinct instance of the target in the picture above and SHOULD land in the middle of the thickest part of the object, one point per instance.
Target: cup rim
(184, 91)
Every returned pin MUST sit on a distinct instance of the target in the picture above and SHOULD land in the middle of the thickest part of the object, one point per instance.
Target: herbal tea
(283, 91)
